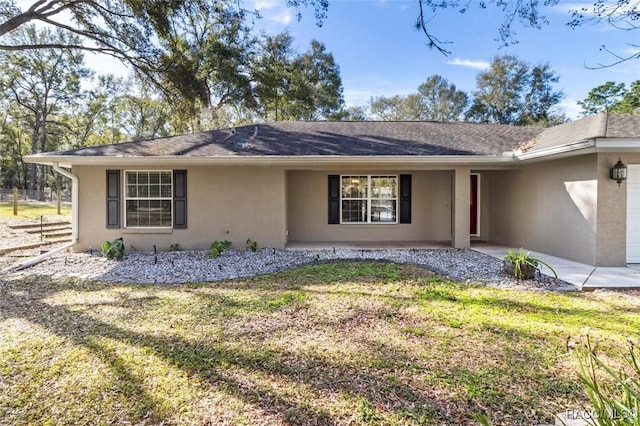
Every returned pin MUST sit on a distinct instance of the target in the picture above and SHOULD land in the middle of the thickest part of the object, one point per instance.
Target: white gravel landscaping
(192, 266)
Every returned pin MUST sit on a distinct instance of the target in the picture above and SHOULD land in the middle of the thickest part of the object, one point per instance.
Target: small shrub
(217, 247)
(174, 247)
(113, 249)
(251, 245)
(523, 266)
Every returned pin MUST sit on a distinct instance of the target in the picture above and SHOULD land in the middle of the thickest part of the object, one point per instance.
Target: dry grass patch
(33, 210)
(337, 343)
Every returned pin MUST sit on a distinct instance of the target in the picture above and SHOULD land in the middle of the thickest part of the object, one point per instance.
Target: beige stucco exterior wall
(549, 207)
(223, 203)
(307, 210)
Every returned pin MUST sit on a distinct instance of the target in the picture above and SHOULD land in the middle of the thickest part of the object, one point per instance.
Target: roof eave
(560, 151)
(272, 160)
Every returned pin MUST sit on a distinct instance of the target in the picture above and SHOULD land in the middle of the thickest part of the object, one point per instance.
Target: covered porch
(428, 208)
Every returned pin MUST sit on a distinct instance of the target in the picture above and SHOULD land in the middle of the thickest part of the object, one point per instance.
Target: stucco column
(611, 244)
(460, 205)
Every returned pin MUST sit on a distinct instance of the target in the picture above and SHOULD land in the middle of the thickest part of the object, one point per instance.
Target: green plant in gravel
(113, 249)
(174, 247)
(251, 245)
(523, 262)
(217, 247)
(614, 392)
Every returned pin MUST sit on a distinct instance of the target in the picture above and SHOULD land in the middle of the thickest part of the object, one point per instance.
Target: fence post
(58, 196)
(15, 201)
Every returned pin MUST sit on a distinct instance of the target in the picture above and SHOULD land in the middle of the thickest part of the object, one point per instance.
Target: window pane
(149, 199)
(132, 191)
(132, 213)
(354, 211)
(354, 186)
(383, 210)
(154, 191)
(165, 218)
(165, 177)
(383, 186)
(165, 191)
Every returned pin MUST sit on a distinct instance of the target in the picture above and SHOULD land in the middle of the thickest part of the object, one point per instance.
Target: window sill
(147, 231)
(369, 225)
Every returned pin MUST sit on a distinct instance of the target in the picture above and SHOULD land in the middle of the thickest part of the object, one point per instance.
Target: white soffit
(617, 144)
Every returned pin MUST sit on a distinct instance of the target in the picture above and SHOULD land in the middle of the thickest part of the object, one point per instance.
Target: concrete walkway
(584, 277)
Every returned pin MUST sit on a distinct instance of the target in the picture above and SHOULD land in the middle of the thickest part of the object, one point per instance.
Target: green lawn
(338, 343)
(35, 210)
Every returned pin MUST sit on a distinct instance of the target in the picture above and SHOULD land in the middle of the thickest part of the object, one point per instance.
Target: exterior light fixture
(618, 172)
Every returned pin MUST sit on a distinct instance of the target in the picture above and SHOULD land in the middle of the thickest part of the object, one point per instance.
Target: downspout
(74, 224)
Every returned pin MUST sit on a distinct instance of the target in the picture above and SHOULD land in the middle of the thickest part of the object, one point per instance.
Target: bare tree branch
(618, 59)
(421, 24)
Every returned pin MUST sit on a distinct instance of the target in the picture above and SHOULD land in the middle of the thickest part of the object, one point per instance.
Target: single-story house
(548, 190)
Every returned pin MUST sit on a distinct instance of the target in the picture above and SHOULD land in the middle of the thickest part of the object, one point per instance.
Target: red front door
(473, 222)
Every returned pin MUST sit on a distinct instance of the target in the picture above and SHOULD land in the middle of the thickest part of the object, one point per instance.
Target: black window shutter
(405, 198)
(180, 199)
(113, 198)
(334, 199)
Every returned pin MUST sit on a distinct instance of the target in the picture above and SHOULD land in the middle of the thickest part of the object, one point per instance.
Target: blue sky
(381, 54)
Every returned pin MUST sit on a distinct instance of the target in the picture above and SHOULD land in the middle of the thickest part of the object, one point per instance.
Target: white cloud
(479, 65)
(275, 14)
(570, 7)
(357, 96)
(268, 4)
(282, 17)
(570, 108)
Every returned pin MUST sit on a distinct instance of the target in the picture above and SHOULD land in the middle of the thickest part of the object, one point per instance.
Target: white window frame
(127, 198)
(369, 198)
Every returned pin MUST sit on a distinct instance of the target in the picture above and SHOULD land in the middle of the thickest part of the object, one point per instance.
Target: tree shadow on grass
(208, 361)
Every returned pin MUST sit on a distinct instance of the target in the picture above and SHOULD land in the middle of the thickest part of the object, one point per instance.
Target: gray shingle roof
(601, 125)
(366, 138)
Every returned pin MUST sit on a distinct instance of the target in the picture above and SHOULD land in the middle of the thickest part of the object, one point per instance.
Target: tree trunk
(33, 173)
(43, 147)
(41, 183)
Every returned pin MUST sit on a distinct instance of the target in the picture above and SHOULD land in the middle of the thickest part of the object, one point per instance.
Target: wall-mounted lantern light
(618, 172)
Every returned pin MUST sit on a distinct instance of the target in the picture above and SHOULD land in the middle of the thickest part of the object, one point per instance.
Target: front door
(474, 219)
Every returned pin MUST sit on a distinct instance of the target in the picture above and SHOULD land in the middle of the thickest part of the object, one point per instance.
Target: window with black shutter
(152, 199)
(405, 198)
(180, 199)
(334, 199)
(113, 198)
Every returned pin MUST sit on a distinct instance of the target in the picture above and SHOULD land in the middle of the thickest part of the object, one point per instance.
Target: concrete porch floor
(583, 277)
(367, 245)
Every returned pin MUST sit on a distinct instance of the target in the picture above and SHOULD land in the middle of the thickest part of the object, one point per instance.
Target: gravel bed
(190, 266)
